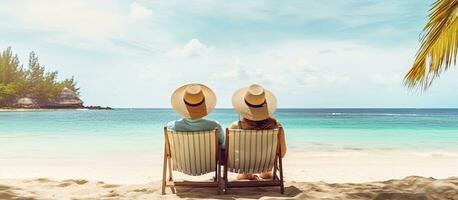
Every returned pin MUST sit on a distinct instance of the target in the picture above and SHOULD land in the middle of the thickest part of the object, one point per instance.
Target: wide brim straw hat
(254, 102)
(193, 101)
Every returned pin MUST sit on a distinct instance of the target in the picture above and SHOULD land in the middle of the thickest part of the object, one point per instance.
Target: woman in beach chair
(255, 143)
(193, 144)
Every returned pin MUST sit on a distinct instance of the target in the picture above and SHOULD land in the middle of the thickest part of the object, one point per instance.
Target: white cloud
(244, 74)
(100, 27)
(302, 75)
(392, 79)
(82, 18)
(293, 63)
(138, 11)
(308, 75)
(232, 73)
(194, 48)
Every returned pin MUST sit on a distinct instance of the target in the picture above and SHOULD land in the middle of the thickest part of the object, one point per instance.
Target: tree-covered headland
(30, 81)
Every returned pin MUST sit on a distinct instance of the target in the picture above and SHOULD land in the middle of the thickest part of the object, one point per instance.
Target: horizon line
(307, 108)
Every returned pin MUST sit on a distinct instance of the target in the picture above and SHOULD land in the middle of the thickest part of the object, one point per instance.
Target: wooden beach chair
(253, 151)
(193, 153)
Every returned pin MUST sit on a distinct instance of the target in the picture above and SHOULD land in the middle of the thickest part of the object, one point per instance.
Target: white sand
(139, 176)
(311, 166)
(410, 188)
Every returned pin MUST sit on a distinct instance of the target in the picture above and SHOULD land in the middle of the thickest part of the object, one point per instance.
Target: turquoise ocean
(307, 130)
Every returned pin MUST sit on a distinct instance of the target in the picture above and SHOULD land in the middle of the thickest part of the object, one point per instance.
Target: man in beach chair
(193, 143)
(255, 143)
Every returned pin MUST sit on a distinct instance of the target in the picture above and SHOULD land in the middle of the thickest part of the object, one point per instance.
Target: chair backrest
(251, 151)
(193, 152)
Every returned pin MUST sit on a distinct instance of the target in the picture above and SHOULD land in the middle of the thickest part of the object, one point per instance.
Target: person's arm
(171, 125)
(282, 141)
(222, 136)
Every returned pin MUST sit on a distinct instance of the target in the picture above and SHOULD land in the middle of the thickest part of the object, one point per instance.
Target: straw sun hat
(254, 102)
(193, 101)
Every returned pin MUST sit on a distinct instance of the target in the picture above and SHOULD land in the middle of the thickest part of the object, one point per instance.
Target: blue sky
(309, 53)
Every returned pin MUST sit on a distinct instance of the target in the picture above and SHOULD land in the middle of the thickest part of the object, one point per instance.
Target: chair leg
(218, 179)
(274, 173)
(169, 161)
(282, 187)
(164, 174)
(225, 177)
(218, 176)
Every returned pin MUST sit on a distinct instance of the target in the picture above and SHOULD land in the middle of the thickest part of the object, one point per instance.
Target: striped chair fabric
(193, 152)
(251, 151)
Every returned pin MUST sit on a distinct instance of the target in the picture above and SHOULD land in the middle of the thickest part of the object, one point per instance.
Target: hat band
(255, 106)
(194, 104)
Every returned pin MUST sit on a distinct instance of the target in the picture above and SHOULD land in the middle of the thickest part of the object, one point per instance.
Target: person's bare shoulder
(275, 121)
(234, 125)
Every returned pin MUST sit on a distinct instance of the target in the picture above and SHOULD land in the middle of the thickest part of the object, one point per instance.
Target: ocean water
(126, 131)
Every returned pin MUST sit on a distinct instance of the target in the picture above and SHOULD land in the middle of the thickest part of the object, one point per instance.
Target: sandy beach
(409, 188)
(339, 175)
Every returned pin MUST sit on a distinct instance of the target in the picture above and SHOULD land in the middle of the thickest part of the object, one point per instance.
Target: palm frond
(438, 45)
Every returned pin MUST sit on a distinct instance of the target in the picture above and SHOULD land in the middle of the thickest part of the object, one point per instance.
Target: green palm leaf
(438, 45)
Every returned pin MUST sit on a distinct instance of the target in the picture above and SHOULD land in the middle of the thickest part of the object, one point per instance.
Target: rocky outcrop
(26, 103)
(67, 99)
(98, 108)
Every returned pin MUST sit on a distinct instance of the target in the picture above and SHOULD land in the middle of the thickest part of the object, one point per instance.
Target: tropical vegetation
(438, 45)
(33, 81)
